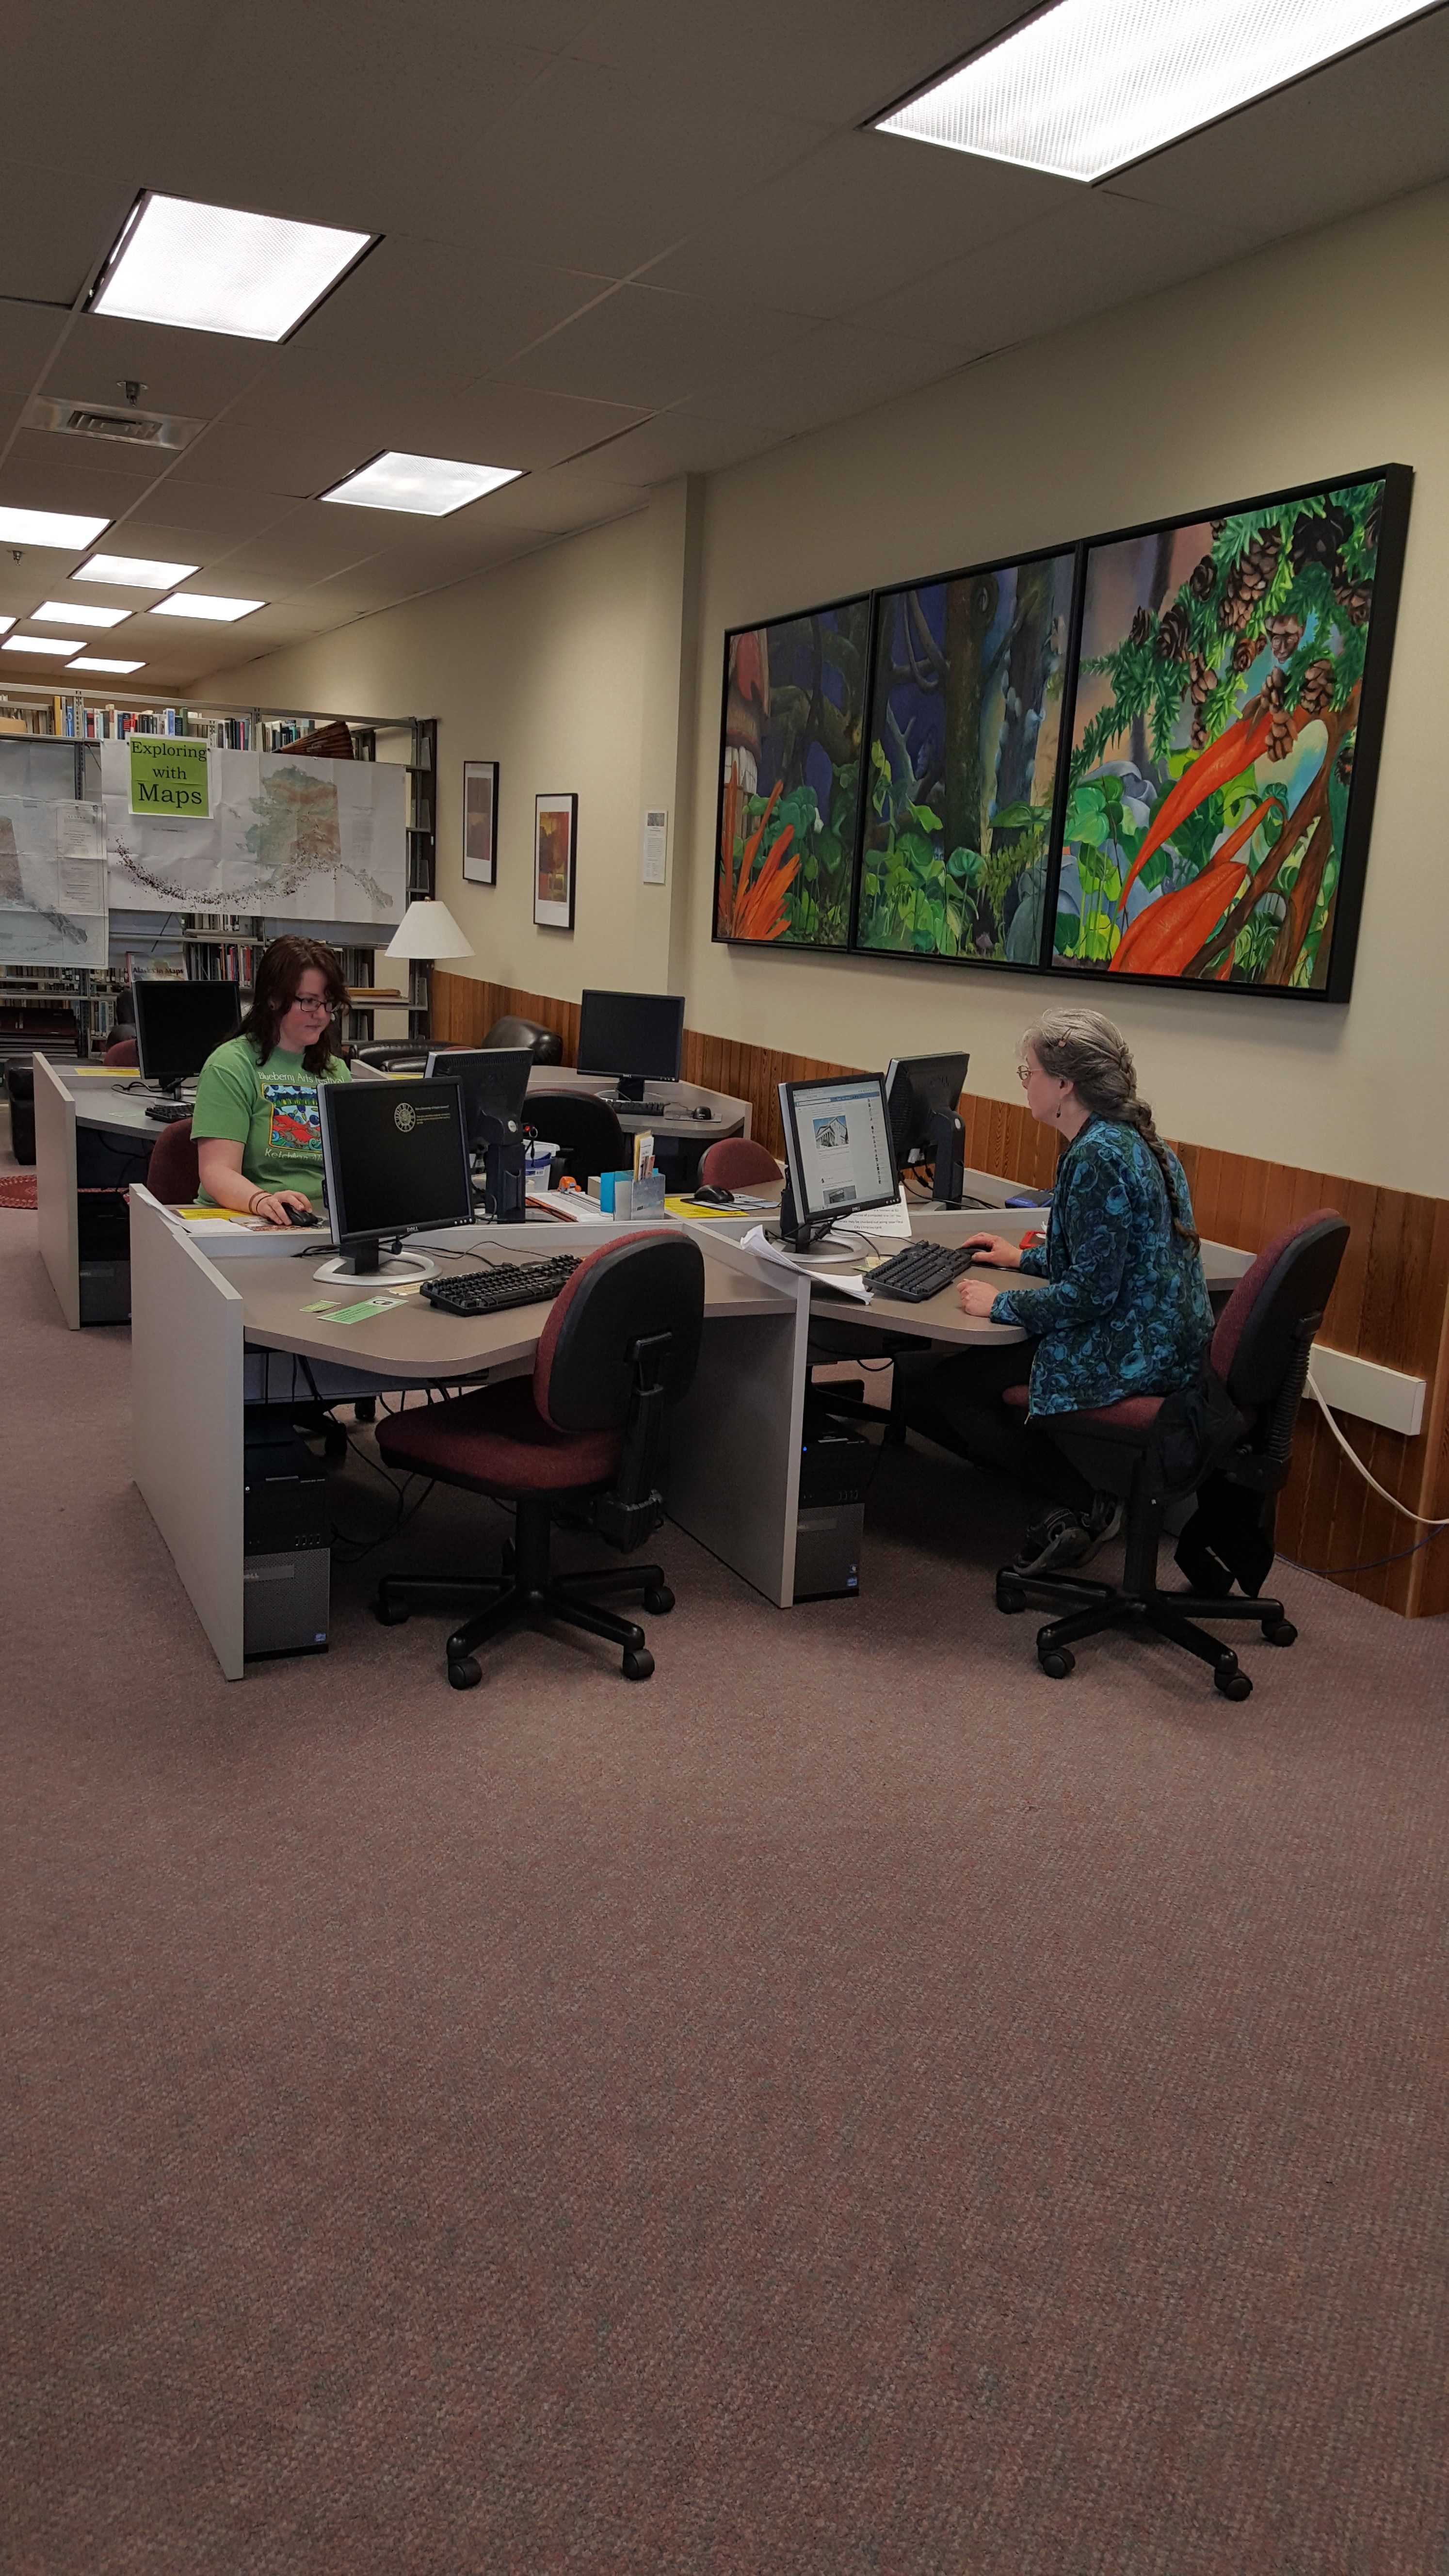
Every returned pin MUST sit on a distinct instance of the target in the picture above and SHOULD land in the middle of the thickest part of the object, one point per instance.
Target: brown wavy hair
(1089, 1051)
(283, 966)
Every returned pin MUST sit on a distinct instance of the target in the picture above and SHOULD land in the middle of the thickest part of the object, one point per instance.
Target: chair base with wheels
(1234, 1432)
(528, 1594)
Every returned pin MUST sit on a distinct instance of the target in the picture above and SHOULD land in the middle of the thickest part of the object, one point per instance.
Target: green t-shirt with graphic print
(269, 1109)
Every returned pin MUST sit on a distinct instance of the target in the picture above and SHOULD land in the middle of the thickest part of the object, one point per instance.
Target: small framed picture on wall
(480, 822)
(555, 831)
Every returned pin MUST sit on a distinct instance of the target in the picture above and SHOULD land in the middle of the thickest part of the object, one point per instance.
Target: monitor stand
(366, 1261)
(805, 1236)
(948, 1140)
(629, 1086)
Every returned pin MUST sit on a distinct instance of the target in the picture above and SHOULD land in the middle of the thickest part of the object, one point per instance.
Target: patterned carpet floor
(850, 2107)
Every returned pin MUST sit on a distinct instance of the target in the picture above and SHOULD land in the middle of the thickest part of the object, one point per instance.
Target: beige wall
(1317, 358)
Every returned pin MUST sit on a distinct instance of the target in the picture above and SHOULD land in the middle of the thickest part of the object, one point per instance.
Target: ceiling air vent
(107, 420)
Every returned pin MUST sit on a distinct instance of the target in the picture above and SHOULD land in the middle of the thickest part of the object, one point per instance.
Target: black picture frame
(727, 926)
(1363, 740)
(480, 822)
(554, 910)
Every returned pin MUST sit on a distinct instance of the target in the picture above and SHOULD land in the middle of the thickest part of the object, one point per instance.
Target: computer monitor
(637, 1036)
(921, 1093)
(394, 1158)
(494, 1083)
(179, 1025)
(838, 1154)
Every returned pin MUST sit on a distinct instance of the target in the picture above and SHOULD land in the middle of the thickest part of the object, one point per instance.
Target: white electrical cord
(1418, 1518)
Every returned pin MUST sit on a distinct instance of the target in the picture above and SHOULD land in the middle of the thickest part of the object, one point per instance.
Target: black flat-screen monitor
(838, 1157)
(922, 1092)
(179, 1025)
(494, 1082)
(637, 1036)
(394, 1158)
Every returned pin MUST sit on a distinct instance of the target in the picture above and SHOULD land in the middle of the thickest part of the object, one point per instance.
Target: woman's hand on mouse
(272, 1205)
(997, 1249)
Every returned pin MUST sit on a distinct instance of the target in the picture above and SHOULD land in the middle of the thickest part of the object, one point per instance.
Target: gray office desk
(70, 1099)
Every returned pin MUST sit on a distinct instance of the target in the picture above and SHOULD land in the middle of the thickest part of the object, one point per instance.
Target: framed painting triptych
(1150, 755)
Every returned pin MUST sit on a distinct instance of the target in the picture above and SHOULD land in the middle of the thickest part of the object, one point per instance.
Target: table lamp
(428, 929)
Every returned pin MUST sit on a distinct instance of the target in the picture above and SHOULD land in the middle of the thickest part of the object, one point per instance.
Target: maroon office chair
(1229, 1441)
(174, 1171)
(122, 1053)
(586, 1431)
(736, 1162)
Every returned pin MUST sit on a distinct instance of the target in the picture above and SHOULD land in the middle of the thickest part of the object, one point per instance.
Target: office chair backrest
(588, 1362)
(586, 1131)
(394, 1055)
(173, 1174)
(122, 1051)
(735, 1162)
(547, 1045)
(1261, 1328)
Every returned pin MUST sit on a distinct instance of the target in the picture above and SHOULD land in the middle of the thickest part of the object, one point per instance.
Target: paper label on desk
(355, 1314)
(848, 1282)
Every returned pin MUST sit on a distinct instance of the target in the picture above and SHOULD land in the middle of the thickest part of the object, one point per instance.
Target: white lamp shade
(428, 930)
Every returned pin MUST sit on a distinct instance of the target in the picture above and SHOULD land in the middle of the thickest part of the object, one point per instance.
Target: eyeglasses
(1024, 1073)
(305, 1002)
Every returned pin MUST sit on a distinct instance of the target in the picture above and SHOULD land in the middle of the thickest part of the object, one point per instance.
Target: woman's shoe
(1063, 1539)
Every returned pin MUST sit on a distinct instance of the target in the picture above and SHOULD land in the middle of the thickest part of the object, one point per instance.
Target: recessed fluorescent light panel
(194, 603)
(42, 644)
(5, 625)
(57, 612)
(431, 486)
(88, 662)
(134, 572)
(1090, 86)
(213, 268)
(48, 528)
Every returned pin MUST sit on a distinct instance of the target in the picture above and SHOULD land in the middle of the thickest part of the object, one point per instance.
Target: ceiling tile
(856, 221)
(34, 453)
(644, 346)
(27, 335)
(196, 373)
(847, 58)
(835, 371)
(55, 225)
(674, 443)
(1102, 253)
(501, 423)
(189, 511)
(47, 481)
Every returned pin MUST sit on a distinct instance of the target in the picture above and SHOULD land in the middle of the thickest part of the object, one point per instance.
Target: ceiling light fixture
(89, 662)
(5, 625)
(56, 612)
(48, 528)
(134, 572)
(66, 645)
(430, 486)
(194, 603)
(1090, 86)
(215, 268)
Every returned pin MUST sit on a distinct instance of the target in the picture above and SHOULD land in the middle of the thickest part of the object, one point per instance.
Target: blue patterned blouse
(1126, 1311)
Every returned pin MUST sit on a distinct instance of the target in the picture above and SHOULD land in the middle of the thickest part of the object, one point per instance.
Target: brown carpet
(850, 2107)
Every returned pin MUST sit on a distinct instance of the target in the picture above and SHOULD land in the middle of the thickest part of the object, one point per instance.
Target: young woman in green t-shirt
(256, 1125)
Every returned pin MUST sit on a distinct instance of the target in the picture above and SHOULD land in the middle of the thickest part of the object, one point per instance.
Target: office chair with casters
(122, 1053)
(736, 1163)
(584, 1435)
(173, 1174)
(1228, 1440)
(547, 1045)
(587, 1133)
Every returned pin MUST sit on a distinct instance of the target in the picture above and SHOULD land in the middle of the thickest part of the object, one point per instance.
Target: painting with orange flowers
(1230, 691)
(790, 778)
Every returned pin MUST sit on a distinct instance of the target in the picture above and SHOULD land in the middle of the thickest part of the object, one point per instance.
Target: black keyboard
(921, 1271)
(167, 1112)
(513, 1283)
(642, 1108)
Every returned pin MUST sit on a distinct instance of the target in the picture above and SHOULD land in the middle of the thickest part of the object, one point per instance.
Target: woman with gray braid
(1125, 1308)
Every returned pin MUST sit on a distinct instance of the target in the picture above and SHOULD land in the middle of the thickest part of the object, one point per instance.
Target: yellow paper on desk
(686, 1207)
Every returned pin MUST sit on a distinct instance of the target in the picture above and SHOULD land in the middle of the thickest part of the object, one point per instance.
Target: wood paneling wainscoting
(1391, 1303)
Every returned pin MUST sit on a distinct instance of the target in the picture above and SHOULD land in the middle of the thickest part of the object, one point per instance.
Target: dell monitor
(922, 1092)
(838, 1155)
(394, 1159)
(179, 1025)
(494, 1082)
(638, 1037)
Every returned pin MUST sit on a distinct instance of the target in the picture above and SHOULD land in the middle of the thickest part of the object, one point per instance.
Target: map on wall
(306, 840)
(52, 883)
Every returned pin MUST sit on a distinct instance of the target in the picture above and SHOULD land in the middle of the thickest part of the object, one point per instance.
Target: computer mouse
(712, 1196)
(301, 1216)
(704, 1112)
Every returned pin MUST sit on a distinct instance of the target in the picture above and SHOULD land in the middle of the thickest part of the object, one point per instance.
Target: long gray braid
(1089, 1051)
